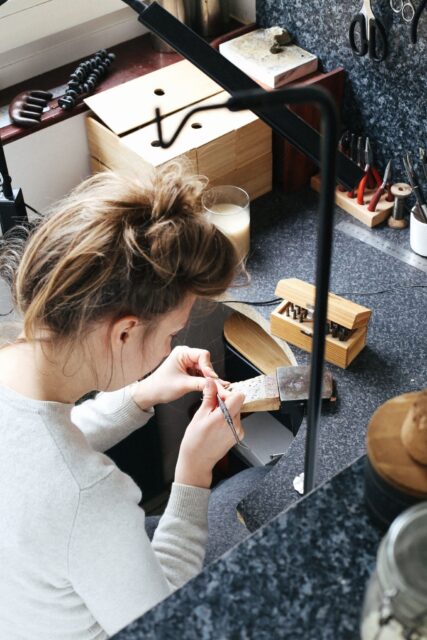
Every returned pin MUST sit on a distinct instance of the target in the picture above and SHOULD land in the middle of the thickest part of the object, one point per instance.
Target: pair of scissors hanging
(367, 34)
(405, 8)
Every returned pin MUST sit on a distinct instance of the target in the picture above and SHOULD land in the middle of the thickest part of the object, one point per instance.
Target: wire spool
(400, 191)
(396, 467)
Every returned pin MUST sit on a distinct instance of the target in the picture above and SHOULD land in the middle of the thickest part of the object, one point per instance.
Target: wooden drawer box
(352, 319)
(227, 147)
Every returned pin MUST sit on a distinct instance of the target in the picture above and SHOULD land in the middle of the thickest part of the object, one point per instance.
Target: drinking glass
(227, 207)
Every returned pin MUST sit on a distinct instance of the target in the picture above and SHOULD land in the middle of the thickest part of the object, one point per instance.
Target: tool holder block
(350, 205)
(351, 318)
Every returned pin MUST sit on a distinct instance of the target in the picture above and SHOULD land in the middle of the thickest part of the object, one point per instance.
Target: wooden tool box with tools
(347, 322)
(228, 148)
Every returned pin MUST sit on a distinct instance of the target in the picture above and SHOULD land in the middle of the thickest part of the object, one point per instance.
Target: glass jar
(395, 605)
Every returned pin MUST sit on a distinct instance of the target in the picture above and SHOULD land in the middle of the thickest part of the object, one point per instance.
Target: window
(38, 35)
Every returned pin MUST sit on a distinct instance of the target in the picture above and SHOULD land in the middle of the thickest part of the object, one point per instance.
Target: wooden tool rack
(347, 322)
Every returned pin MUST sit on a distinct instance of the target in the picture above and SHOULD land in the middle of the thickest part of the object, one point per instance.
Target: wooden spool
(396, 443)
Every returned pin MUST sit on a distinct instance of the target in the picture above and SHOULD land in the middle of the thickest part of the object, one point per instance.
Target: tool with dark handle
(413, 181)
(367, 35)
(423, 160)
(353, 156)
(415, 21)
(344, 147)
(229, 420)
(379, 192)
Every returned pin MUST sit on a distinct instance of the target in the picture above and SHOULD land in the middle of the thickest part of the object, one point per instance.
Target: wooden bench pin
(286, 384)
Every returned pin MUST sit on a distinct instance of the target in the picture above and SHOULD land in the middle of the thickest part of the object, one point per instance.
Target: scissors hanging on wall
(367, 34)
(404, 7)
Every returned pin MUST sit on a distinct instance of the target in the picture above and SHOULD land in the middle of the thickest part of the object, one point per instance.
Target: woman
(102, 285)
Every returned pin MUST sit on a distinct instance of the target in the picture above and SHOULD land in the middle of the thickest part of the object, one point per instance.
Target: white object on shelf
(251, 53)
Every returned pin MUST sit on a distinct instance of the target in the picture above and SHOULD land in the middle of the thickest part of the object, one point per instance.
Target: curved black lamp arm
(186, 118)
(329, 122)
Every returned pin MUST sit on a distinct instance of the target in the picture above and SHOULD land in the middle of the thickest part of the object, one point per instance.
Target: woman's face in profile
(143, 351)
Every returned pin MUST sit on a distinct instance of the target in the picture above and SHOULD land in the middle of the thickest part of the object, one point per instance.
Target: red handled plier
(371, 175)
(379, 192)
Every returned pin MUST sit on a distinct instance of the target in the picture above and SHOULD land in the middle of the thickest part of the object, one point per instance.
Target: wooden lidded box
(347, 324)
(227, 147)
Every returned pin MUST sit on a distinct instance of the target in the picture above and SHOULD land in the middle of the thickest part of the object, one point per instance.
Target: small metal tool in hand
(229, 420)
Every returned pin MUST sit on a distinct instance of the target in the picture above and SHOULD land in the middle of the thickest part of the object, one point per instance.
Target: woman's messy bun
(115, 246)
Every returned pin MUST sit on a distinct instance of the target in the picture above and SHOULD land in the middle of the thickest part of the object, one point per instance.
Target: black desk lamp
(246, 94)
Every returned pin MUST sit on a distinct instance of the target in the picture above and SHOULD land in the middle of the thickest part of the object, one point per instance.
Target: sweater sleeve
(112, 565)
(109, 418)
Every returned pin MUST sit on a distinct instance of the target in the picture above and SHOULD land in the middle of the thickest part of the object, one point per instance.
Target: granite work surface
(394, 360)
(301, 576)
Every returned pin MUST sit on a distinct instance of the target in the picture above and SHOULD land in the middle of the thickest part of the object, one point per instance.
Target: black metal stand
(329, 117)
(12, 207)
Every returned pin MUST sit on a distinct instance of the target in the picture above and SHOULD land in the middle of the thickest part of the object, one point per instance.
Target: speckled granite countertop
(394, 360)
(302, 574)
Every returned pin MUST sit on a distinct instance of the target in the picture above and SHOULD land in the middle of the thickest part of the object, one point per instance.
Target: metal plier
(371, 174)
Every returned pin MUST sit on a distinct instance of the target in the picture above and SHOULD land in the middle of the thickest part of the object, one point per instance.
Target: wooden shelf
(134, 58)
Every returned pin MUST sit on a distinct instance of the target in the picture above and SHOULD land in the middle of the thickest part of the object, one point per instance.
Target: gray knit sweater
(75, 561)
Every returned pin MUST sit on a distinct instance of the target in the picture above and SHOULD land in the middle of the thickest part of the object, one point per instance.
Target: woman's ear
(124, 336)
(122, 329)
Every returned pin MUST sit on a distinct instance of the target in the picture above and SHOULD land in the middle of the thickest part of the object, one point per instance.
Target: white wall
(38, 35)
(49, 162)
(243, 10)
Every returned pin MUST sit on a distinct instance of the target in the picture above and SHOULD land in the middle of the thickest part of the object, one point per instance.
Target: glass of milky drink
(228, 208)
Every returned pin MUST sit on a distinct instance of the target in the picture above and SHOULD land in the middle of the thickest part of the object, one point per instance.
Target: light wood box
(227, 147)
(350, 315)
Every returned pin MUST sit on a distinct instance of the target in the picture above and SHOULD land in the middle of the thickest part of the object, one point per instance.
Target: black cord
(374, 293)
(254, 303)
(266, 303)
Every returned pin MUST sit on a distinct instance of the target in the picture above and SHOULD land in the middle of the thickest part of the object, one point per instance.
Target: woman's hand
(208, 437)
(184, 370)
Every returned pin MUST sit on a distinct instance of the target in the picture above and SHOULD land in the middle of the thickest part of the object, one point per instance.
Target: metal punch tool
(229, 421)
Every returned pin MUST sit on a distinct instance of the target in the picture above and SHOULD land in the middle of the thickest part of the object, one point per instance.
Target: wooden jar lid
(386, 451)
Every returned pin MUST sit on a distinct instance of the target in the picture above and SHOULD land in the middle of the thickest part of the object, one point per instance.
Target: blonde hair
(116, 245)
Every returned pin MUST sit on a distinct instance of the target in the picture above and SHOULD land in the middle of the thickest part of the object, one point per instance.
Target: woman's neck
(31, 370)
